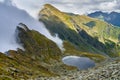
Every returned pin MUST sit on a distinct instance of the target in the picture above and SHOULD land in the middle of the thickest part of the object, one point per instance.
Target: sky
(72, 6)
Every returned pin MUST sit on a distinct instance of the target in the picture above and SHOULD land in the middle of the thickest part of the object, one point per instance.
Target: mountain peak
(23, 26)
(50, 7)
(51, 11)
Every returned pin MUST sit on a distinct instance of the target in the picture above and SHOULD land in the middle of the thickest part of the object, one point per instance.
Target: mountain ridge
(80, 23)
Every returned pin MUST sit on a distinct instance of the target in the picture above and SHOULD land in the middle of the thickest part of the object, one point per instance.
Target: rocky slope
(107, 71)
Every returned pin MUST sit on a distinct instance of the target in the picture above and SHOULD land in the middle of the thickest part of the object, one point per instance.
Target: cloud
(10, 17)
(72, 6)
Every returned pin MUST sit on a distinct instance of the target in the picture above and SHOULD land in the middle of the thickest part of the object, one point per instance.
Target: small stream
(80, 62)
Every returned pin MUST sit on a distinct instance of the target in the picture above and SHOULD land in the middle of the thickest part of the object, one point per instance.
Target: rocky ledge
(107, 71)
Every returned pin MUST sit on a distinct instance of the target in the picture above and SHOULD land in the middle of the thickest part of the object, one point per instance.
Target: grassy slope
(40, 53)
(60, 22)
(100, 29)
(38, 58)
(108, 30)
(71, 50)
(104, 32)
(64, 17)
(31, 62)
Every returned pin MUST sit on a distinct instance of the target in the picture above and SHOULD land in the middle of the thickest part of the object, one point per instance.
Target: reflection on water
(79, 62)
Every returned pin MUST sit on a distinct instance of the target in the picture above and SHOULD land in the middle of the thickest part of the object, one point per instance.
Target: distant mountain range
(112, 18)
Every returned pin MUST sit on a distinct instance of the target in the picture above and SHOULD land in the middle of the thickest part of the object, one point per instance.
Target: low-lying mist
(10, 17)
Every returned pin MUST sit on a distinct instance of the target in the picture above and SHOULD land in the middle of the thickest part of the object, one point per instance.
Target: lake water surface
(79, 62)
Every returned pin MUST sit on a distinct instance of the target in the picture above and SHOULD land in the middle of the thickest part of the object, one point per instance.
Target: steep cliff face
(98, 36)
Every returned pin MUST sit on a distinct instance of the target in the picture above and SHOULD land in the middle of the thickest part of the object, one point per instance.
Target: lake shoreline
(109, 71)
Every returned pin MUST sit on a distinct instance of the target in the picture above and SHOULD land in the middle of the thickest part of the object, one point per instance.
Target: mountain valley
(41, 57)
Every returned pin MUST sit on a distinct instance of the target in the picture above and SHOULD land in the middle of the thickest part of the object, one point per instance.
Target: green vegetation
(50, 10)
(38, 58)
(70, 49)
(81, 30)
(54, 25)
(90, 24)
(40, 53)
